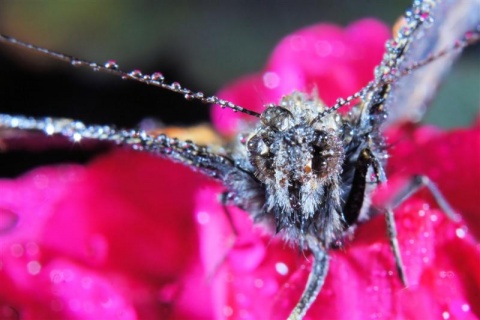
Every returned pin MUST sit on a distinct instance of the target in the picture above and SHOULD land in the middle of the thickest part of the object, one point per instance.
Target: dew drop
(445, 315)
(176, 86)
(281, 268)
(16, 250)
(189, 96)
(75, 62)
(56, 276)
(34, 267)
(271, 80)
(77, 137)
(227, 311)
(203, 217)
(135, 74)
(157, 76)
(465, 307)
(258, 283)
(111, 64)
(32, 248)
(8, 220)
(461, 232)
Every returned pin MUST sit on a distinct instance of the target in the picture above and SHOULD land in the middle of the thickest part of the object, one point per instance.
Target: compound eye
(256, 146)
(327, 154)
(276, 117)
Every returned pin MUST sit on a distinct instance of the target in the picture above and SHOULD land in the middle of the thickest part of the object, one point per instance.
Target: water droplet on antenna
(111, 64)
(157, 76)
(135, 74)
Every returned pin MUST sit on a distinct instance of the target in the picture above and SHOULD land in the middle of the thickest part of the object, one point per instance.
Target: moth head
(293, 154)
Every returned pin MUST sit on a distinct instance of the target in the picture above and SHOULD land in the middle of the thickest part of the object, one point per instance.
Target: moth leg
(354, 203)
(414, 185)
(228, 214)
(231, 241)
(315, 280)
(393, 239)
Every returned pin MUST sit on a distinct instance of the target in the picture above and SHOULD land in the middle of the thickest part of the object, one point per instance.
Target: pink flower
(335, 61)
(131, 236)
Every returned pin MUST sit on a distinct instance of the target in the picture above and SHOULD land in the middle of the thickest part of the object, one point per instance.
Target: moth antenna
(185, 152)
(155, 79)
(470, 38)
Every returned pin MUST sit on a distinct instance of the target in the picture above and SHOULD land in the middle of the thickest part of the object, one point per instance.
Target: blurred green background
(203, 45)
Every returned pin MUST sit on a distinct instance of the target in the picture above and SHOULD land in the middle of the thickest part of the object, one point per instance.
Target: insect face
(299, 160)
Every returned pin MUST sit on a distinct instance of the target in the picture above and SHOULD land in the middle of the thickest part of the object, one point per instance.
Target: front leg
(315, 280)
(355, 201)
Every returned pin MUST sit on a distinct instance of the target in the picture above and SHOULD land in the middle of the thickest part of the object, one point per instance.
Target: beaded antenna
(304, 169)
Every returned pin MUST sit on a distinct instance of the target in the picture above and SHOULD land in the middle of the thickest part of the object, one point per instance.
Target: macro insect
(305, 170)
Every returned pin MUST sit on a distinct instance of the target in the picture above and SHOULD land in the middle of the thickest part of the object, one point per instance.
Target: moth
(305, 170)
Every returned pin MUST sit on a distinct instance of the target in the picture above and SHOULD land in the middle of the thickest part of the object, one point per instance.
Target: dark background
(203, 45)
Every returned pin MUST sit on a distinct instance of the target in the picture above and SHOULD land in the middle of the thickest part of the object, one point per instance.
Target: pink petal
(451, 160)
(322, 57)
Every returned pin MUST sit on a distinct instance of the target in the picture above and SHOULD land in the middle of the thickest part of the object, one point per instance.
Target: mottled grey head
(297, 156)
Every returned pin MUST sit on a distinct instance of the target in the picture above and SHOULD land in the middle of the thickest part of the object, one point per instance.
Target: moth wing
(410, 95)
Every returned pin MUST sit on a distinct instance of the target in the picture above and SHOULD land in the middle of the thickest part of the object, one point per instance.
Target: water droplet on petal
(56, 276)
(445, 315)
(465, 307)
(16, 250)
(227, 311)
(271, 80)
(281, 268)
(203, 217)
(461, 232)
(8, 220)
(34, 267)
